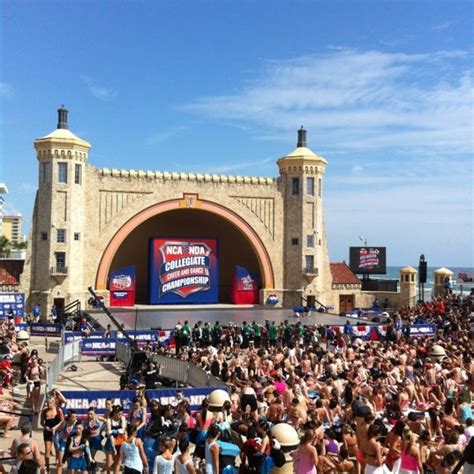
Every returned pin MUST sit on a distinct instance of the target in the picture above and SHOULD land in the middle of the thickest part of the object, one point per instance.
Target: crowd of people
(358, 406)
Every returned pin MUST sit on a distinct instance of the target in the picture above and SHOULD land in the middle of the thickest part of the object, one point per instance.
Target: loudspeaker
(422, 272)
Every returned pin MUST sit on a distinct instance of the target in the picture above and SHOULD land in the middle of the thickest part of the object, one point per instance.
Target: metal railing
(123, 352)
(171, 368)
(67, 353)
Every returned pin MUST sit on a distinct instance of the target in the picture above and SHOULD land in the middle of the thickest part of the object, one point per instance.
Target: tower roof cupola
(62, 118)
(301, 154)
(301, 138)
(61, 136)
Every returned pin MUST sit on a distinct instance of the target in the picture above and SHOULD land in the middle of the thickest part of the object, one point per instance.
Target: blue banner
(195, 395)
(46, 329)
(246, 281)
(183, 270)
(12, 303)
(104, 346)
(82, 400)
(122, 287)
(21, 327)
(422, 330)
(140, 336)
(70, 336)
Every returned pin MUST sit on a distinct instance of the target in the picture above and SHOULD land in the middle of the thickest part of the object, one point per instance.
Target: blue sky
(384, 88)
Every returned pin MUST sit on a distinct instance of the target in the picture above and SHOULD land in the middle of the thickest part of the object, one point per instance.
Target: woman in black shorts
(51, 418)
(249, 399)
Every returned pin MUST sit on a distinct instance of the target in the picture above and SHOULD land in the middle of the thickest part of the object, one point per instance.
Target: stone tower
(58, 231)
(442, 281)
(306, 263)
(408, 286)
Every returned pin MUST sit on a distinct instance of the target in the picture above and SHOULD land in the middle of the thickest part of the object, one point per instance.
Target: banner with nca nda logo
(183, 270)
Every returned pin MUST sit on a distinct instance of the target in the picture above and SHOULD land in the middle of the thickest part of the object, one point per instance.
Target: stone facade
(82, 214)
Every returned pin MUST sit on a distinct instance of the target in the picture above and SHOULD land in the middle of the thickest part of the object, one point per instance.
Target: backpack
(278, 457)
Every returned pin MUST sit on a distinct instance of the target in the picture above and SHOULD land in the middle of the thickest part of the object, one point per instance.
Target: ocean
(393, 273)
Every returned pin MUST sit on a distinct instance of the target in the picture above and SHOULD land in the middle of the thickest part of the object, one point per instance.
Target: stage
(167, 316)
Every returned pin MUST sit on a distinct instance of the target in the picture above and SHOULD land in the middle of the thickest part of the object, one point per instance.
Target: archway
(238, 241)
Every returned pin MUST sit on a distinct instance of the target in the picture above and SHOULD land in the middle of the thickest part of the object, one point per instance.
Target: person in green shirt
(185, 334)
(206, 334)
(257, 333)
(300, 329)
(273, 333)
(287, 332)
(216, 334)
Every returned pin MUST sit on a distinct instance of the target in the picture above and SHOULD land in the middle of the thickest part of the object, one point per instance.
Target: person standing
(216, 334)
(257, 331)
(54, 314)
(184, 463)
(25, 461)
(36, 312)
(306, 456)
(185, 334)
(115, 430)
(78, 452)
(51, 419)
(33, 376)
(92, 427)
(132, 454)
(25, 438)
(273, 333)
(211, 450)
(410, 456)
(164, 463)
(178, 336)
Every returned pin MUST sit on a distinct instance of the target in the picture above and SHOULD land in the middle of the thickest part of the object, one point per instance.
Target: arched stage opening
(238, 244)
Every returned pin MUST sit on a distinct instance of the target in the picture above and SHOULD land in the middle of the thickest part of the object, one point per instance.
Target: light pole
(365, 276)
(422, 269)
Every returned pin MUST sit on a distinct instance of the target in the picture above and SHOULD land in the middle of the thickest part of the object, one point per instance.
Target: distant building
(3, 190)
(11, 228)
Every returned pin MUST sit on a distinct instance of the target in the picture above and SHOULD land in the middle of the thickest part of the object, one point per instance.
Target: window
(320, 187)
(46, 172)
(60, 262)
(295, 186)
(309, 263)
(78, 174)
(44, 236)
(294, 241)
(62, 172)
(77, 236)
(310, 186)
(310, 240)
(61, 236)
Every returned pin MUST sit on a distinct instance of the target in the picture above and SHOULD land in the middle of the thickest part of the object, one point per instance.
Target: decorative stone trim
(112, 202)
(263, 208)
(175, 176)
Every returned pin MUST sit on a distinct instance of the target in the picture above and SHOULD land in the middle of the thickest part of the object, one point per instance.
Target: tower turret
(58, 231)
(307, 274)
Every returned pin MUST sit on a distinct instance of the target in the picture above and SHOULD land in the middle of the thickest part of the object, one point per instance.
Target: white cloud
(358, 100)
(443, 26)
(6, 90)
(163, 135)
(397, 130)
(99, 91)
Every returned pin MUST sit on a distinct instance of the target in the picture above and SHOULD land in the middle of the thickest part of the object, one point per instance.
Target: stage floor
(147, 317)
